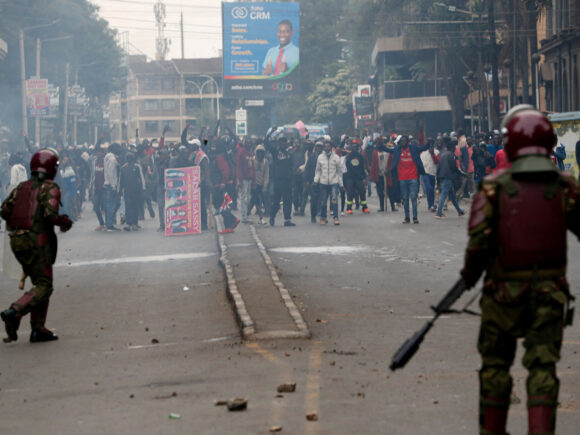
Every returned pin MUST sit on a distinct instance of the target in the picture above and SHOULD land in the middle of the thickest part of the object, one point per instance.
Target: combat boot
(541, 415)
(42, 335)
(493, 415)
(11, 319)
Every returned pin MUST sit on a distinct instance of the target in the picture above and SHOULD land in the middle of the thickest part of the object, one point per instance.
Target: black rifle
(411, 345)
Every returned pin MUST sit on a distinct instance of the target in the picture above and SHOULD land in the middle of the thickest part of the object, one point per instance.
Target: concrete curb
(303, 330)
(243, 318)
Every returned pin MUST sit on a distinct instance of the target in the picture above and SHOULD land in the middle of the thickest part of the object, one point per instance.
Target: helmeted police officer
(31, 213)
(517, 236)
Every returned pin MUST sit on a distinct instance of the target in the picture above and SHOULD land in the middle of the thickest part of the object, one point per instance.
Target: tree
(92, 51)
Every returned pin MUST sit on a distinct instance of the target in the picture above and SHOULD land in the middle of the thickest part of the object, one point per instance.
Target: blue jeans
(409, 188)
(429, 182)
(327, 190)
(111, 206)
(447, 191)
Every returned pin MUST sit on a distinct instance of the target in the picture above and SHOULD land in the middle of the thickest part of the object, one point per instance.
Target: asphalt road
(146, 330)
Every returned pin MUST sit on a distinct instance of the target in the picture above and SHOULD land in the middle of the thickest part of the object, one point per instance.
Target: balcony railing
(395, 89)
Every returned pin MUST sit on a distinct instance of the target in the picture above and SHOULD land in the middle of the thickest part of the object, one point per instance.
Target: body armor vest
(531, 236)
(25, 207)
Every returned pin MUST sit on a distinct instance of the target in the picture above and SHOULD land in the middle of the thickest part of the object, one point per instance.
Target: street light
(217, 91)
(23, 71)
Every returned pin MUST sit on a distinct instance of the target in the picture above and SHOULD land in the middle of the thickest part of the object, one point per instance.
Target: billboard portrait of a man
(283, 56)
(261, 57)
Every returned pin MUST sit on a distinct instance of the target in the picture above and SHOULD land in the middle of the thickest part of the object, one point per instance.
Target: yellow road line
(255, 347)
(312, 398)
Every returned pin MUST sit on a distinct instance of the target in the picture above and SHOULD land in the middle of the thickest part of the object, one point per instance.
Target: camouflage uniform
(35, 248)
(517, 235)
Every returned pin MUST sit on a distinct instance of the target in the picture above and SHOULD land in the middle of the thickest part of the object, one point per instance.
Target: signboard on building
(261, 49)
(54, 101)
(37, 98)
(364, 107)
(182, 201)
(78, 103)
(566, 126)
(241, 128)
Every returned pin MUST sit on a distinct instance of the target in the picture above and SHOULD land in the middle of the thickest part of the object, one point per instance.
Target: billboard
(261, 49)
(182, 201)
(37, 97)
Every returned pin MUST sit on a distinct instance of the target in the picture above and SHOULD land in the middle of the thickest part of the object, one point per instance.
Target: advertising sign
(567, 128)
(37, 98)
(182, 201)
(364, 106)
(54, 101)
(261, 49)
(78, 102)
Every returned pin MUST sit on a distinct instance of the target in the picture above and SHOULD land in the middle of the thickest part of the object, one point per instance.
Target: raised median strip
(262, 305)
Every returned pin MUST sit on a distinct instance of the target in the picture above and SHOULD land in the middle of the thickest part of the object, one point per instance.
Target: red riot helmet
(45, 160)
(527, 131)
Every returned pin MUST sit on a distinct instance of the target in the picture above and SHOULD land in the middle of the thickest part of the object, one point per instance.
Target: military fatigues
(517, 235)
(33, 241)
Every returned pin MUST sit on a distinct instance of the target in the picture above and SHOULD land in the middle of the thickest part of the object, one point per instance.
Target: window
(149, 84)
(167, 83)
(151, 105)
(168, 104)
(151, 126)
(173, 126)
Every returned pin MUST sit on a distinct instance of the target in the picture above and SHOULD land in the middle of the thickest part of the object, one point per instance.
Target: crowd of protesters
(258, 175)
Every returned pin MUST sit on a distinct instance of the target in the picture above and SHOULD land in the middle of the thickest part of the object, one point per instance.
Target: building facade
(560, 70)
(402, 102)
(171, 93)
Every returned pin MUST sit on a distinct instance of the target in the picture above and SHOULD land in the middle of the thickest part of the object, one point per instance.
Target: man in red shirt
(409, 166)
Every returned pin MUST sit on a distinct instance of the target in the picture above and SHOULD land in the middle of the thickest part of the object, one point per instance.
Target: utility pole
(494, 62)
(23, 83)
(75, 117)
(182, 44)
(65, 123)
(37, 118)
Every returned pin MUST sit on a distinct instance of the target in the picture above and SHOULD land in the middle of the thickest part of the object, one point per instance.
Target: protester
(328, 176)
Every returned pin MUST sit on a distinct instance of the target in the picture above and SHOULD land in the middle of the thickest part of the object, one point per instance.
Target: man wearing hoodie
(282, 177)
(356, 177)
(328, 175)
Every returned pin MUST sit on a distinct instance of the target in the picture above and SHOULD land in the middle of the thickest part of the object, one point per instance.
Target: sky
(202, 25)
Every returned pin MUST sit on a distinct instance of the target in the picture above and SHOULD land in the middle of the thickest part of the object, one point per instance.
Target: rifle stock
(411, 345)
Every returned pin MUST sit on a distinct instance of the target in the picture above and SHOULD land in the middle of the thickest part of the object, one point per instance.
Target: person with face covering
(282, 176)
(355, 178)
(407, 162)
(328, 175)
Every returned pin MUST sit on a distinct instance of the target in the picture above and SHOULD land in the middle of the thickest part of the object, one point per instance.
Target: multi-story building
(167, 93)
(560, 70)
(402, 101)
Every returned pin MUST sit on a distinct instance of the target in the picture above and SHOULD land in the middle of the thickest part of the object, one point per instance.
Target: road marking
(412, 230)
(147, 346)
(148, 259)
(447, 243)
(330, 250)
(312, 399)
(269, 356)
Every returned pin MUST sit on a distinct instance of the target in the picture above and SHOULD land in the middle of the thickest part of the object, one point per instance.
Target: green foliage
(91, 49)
(332, 96)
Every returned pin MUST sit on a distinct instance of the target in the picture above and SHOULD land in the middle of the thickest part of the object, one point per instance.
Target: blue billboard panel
(261, 49)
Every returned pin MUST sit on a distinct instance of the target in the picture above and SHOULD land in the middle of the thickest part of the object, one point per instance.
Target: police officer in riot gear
(517, 236)
(31, 212)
